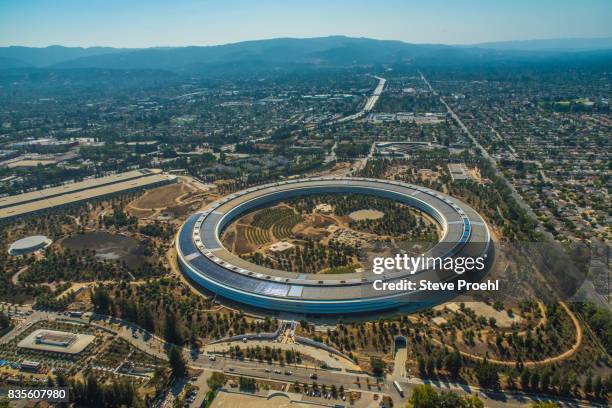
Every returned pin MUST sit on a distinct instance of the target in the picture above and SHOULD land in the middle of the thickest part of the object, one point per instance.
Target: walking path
(568, 353)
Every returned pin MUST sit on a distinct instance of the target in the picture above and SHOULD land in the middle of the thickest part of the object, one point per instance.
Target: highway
(375, 95)
(359, 382)
(369, 105)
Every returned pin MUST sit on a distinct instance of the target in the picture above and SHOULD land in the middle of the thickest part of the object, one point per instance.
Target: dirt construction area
(167, 202)
(162, 197)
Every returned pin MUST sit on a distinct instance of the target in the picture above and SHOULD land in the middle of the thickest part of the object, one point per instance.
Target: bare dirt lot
(161, 197)
(366, 215)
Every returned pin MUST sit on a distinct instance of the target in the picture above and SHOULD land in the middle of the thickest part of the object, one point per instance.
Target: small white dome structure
(29, 245)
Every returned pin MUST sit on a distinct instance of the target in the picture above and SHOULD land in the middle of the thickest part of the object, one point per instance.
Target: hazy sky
(146, 23)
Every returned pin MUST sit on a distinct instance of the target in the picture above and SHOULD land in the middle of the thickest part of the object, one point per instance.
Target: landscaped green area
(278, 220)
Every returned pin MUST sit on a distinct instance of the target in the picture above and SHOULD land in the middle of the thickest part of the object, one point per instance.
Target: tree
(598, 387)
(564, 386)
(378, 366)
(101, 300)
(424, 396)
(554, 381)
(511, 379)
(177, 363)
(159, 379)
(216, 381)
(93, 394)
(172, 332)
(119, 393)
(474, 402)
(4, 321)
(544, 404)
(588, 384)
(453, 363)
(247, 384)
(486, 374)
(535, 380)
(431, 366)
(422, 366)
(545, 380)
(525, 377)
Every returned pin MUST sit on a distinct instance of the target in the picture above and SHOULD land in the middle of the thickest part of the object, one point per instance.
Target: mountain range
(321, 51)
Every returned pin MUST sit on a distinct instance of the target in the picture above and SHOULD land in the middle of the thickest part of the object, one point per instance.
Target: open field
(360, 215)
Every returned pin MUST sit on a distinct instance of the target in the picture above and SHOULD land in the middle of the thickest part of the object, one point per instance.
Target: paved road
(587, 288)
(289, 373)
(361, 163)
(375, 95)
(332, 156)
(332, 361)
(359, 382)
(202, 388)
(399, 364)
(15, 277)
(369, 105)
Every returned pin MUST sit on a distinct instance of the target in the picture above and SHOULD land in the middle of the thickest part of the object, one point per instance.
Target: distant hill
(315, 51)
(7, 62)
(46, 56)
(281, 53)
(562, 44)
(265, 54)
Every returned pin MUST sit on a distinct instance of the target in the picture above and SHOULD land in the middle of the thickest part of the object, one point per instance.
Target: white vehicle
(398, 388)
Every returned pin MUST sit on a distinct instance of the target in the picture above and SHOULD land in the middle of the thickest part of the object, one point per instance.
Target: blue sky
(140, 23)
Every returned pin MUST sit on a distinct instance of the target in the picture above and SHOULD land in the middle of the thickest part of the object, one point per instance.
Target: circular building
(208, 263)
(29, 245)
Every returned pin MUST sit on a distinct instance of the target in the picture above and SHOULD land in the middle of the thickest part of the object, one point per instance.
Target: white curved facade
(203, 258)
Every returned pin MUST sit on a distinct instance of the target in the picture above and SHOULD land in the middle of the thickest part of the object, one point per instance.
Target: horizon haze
(141, 24)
